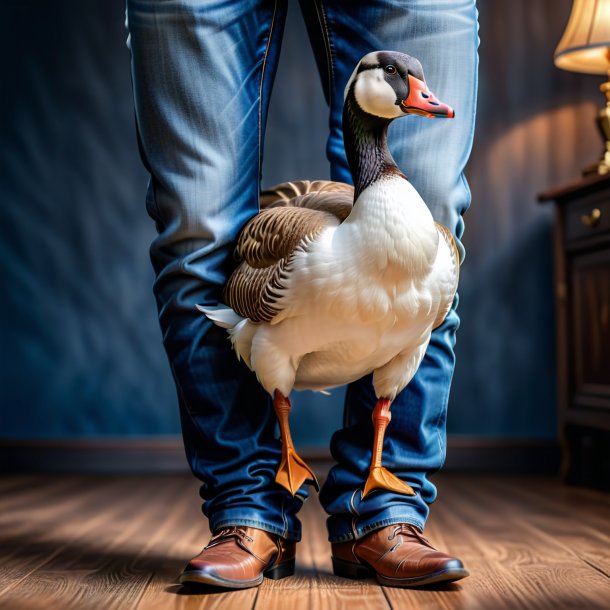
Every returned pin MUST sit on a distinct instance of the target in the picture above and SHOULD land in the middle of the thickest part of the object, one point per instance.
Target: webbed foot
(381, 478)
(293, 472)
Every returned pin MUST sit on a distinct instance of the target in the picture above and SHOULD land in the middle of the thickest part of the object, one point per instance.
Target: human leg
(443, 35)
(202, 75)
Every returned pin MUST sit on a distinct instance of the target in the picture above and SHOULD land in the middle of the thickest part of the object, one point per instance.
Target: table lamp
(585, 47)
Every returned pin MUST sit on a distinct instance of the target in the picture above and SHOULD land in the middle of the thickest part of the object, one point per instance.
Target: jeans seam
(323, 21)
(444, 407)
(260, 96)
(285, 521)
(352, 503)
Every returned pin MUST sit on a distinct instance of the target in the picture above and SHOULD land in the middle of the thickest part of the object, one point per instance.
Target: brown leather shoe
(398, 555)
(238, 557)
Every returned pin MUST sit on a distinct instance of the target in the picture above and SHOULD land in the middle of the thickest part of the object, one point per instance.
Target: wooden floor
(119, 542)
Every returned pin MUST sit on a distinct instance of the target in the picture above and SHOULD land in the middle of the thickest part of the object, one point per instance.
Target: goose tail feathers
(221, 315)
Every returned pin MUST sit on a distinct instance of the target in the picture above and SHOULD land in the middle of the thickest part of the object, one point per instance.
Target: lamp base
(603, 125)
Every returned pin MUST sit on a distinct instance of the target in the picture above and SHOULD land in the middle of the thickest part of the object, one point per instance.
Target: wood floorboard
(557, 499)
(23, 496)
(534, 566)
(32, 535)
(314, 585)
(62, 572)
(9, 484)
(112, 578)
(80, 543)
(587, 539)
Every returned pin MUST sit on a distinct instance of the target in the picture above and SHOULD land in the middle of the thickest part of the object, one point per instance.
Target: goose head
(388, 84)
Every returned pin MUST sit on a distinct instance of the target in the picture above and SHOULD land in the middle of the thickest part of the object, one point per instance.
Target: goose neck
(366, 146)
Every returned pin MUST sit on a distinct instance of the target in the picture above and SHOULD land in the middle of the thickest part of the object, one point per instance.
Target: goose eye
(390, 69)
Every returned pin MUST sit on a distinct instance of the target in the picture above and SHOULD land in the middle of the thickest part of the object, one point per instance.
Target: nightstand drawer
(588, 218)
(589, 328)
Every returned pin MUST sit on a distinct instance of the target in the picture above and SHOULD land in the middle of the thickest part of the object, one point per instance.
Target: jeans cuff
(342, 528)
(228, 518)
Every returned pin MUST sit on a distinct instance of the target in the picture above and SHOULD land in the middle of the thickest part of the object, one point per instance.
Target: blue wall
(81, 353)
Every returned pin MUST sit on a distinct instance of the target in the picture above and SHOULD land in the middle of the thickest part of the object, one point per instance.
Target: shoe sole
(357, 571)
(275, 572)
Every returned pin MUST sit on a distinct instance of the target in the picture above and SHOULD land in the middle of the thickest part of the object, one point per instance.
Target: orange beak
(423, 102)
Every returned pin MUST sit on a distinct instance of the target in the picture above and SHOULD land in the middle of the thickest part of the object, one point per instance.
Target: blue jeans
(202, 76)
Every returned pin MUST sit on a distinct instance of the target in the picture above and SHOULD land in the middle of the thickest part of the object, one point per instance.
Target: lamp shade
(584, 46)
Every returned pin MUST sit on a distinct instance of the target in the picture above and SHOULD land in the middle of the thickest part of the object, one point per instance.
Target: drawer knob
(590, 220)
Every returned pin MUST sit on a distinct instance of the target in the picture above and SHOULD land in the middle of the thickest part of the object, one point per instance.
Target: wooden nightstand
(582, 297)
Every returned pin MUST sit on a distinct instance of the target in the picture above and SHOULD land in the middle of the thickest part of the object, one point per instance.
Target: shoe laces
(228, 533)
(409, 530)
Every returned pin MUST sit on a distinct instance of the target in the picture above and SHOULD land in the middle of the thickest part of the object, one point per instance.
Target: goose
(336, 282)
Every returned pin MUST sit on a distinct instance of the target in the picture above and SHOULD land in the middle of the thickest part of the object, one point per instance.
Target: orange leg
(293, 471)
(379, 477)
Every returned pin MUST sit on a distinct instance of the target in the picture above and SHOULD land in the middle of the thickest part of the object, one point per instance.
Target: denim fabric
(202, 75)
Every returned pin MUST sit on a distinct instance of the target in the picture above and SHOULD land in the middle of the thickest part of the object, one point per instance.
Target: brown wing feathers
(275, 233)
(291, 213)
(290, 193)
(253, 293)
